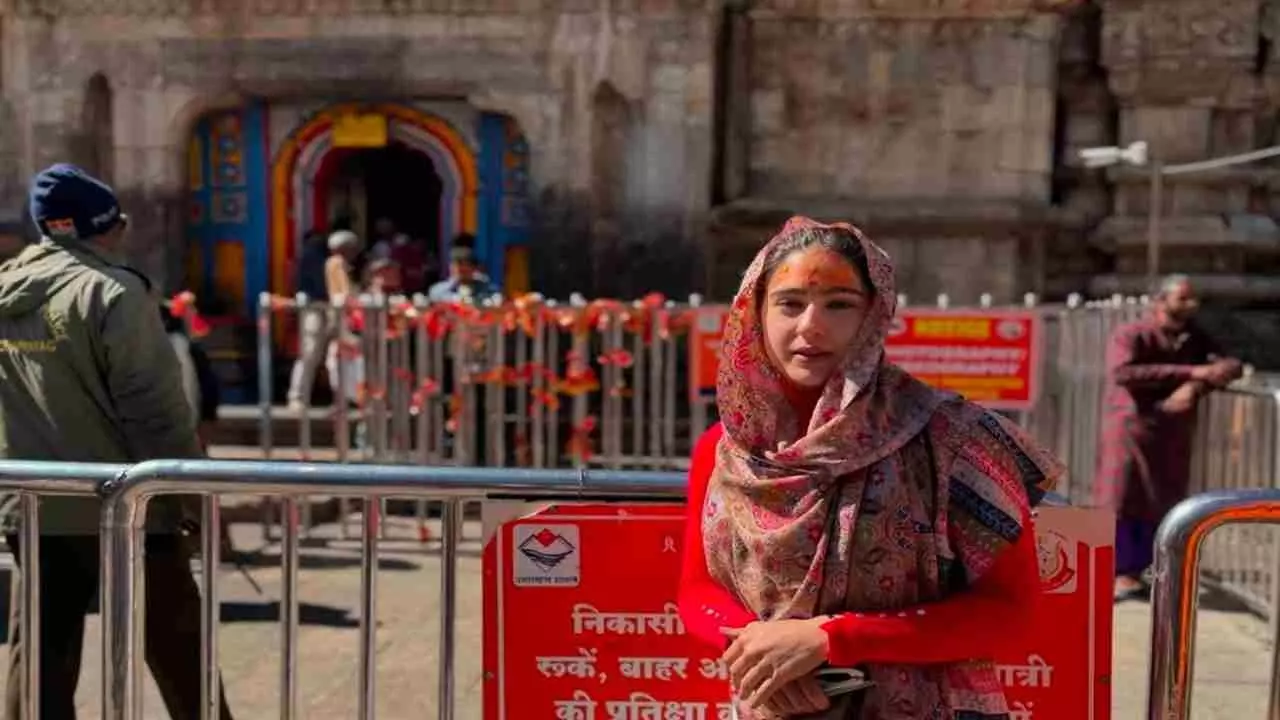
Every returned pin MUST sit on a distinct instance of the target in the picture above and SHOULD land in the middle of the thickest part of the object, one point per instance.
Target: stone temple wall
(670, 137)
(576, 75)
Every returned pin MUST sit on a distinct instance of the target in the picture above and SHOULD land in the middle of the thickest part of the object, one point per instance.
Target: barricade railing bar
(1175, 594)
(31, 481)
(123, 580)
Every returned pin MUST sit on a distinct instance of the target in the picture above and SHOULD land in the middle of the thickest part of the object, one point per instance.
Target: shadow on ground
(248, 612)
(1212, 598)
(308, 614)
(308, 561)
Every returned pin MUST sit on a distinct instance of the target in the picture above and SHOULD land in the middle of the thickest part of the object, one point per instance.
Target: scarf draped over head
(885, 495)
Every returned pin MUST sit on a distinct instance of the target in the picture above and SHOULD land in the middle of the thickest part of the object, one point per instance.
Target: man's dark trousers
(68, 584)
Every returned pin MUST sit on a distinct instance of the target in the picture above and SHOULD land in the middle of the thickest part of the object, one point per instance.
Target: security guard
(88, 375)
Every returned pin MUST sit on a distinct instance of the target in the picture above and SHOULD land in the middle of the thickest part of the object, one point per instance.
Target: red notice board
(991, 357)
(580, 620)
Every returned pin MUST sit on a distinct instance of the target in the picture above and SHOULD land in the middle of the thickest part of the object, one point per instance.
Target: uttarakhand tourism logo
(546, 555)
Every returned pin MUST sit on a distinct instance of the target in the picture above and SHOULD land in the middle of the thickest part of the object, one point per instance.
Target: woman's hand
(767, 655)
(802, 696)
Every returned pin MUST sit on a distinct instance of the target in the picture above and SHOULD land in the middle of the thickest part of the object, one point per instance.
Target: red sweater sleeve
(977, 623)
(705, 605)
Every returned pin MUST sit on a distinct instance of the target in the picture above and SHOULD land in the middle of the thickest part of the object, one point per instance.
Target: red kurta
(976, 624)
(1144, 453)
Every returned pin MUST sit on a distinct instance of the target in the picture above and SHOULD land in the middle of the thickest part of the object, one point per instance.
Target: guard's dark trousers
(68, 585)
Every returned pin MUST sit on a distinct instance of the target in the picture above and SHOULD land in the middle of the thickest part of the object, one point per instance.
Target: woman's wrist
(823, 623)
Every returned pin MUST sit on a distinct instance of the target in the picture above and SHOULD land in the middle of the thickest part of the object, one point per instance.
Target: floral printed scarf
(895, 494)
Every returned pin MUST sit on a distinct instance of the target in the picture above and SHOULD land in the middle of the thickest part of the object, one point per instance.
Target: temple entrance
(352, 165)
(390, 194)
(255, 195)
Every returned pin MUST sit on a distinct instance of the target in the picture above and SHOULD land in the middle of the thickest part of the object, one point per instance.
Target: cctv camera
(1097, 157)
(1135, 154)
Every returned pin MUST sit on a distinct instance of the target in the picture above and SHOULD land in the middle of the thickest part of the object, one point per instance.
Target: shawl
(894, 494)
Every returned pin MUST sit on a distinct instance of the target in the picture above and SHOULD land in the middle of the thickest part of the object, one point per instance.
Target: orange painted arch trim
(283, 220)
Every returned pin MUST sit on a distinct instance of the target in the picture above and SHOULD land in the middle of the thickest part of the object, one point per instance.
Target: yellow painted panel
(229, 272)
(516, 281)
(360, 130)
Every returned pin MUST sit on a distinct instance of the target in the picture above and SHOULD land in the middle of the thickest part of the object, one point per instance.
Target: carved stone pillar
(12, 179)
(1085, 118)
(629, 151)
(930, 123)
(1184, 73)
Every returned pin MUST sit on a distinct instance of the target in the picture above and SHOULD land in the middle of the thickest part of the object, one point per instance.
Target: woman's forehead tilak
(816, 268)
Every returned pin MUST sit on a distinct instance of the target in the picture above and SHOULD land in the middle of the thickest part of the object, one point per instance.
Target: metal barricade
(1179, 542)
(124, 506)
(1067, 415)
(30, 481)
(1236, 448)
(539, 380)
(530, 383)
(545, 382)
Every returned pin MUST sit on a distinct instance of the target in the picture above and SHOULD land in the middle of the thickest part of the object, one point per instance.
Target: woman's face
(814, 304)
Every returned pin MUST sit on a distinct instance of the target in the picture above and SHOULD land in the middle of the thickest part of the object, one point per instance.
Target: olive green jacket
(87, 373)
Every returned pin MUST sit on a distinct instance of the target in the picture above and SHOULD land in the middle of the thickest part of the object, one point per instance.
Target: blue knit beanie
(69, 204)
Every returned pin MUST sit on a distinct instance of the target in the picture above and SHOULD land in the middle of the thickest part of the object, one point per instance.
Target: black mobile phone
(841, 681)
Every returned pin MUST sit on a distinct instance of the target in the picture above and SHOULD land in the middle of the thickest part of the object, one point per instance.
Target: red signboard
(704, 350)
(1063, 671)
(991, 357)
(580, 621)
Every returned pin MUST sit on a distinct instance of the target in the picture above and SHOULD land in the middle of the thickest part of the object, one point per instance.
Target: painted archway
(301, 155)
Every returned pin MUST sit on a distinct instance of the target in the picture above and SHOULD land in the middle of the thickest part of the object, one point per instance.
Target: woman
(845, 514)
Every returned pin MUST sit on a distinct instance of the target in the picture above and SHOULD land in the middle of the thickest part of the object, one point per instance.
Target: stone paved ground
(1233, 659)
(1232, 665)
